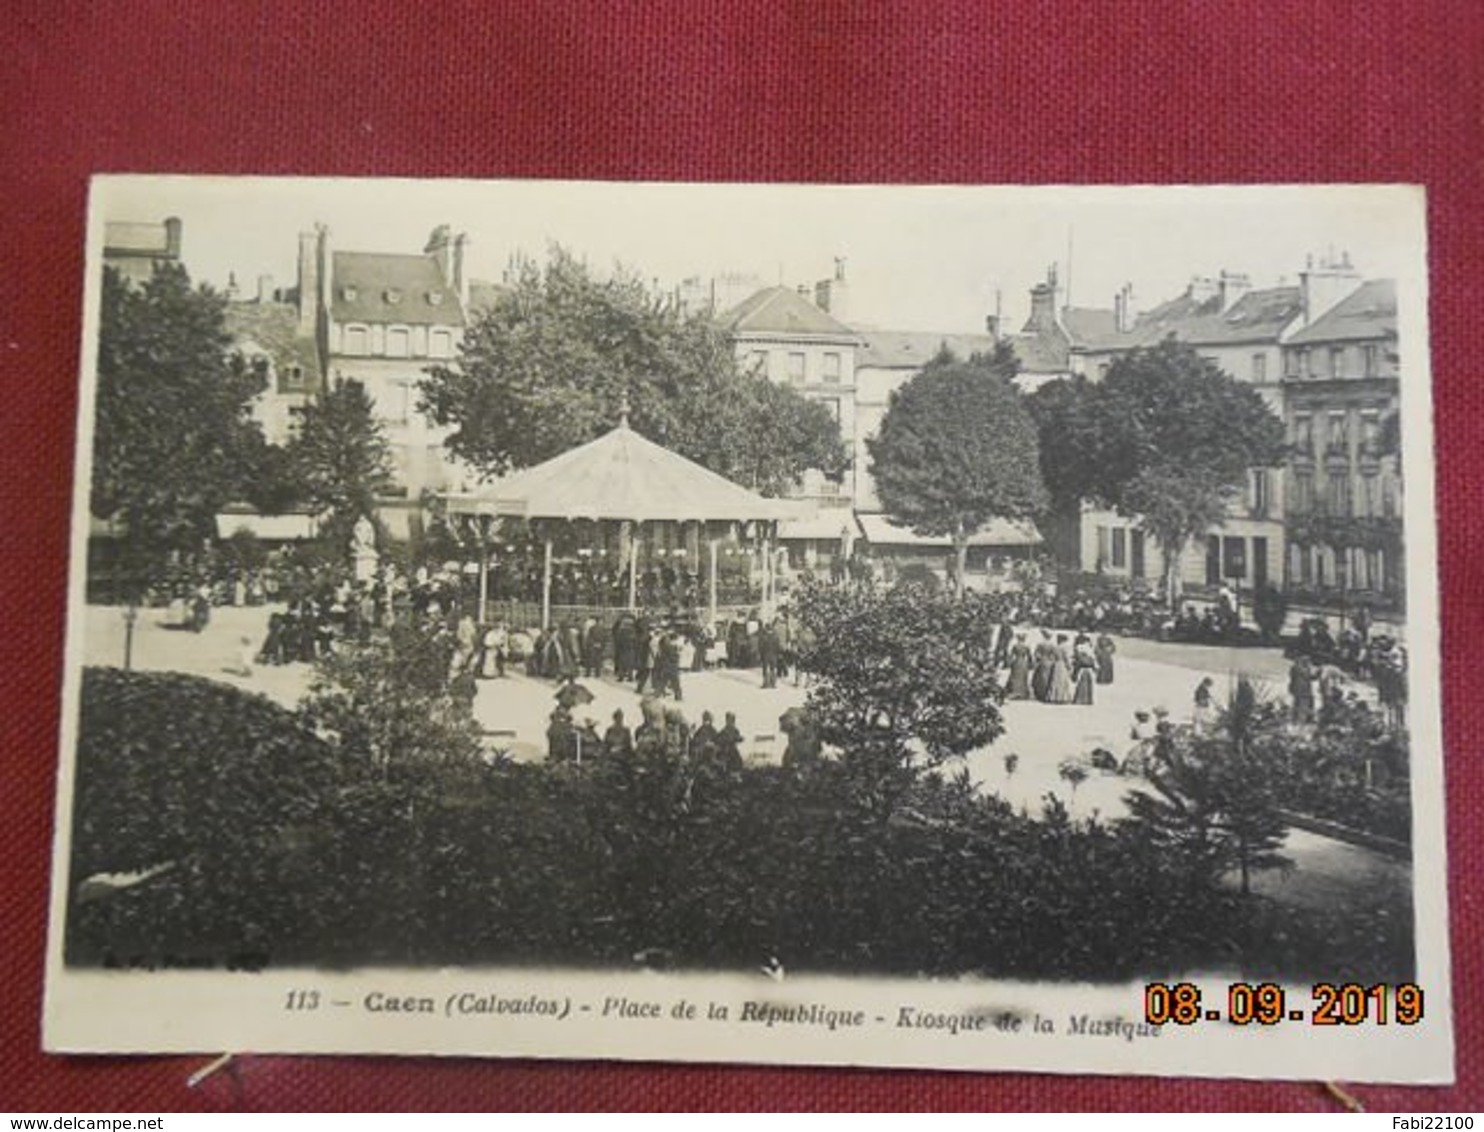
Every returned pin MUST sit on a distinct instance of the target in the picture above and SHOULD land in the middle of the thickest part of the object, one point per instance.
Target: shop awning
(881, 531)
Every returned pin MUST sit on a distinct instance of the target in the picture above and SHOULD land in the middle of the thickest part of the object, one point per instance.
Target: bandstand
(626, 491)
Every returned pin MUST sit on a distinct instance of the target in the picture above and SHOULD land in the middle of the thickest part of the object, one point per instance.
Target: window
(1338, 494)
(293, 375)
(758, 361)
(398, 342)
(435, 298)
(295, 420)
(392, 296)
(1303, 363)
(354, 340)
(1259, 368)
(1303, 433)
(1303, 492)
(349, 294)
(1370, 497)
(1370, 432)
(1290, 363)
(832, 368)
(440, 343)
(1372, 356)
(399, 402)
(833, 405)
(1103, 536)
(796, 368)
(1261, 490)
(1120, 548)
(1337, 361)
(1338, 442)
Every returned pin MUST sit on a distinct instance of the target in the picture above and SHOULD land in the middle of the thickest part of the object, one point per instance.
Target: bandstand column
(634, 566)
(546, 587)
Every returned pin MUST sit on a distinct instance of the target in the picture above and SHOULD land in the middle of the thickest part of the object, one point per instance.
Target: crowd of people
(1055, 671)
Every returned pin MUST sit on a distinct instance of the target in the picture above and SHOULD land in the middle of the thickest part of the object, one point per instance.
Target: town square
(444, 607)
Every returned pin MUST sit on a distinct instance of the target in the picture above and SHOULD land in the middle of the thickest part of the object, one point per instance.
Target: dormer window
(393, 296)
(348, 294)
(435, 298)
(293, 374)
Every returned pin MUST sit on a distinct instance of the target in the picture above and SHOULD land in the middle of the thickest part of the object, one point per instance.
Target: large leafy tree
(549, 364)
(957, 449)
(341, 453)
(902, 679)
(173, 441)
(1166, 437)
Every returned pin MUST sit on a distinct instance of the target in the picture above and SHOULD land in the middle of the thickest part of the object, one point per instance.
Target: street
(1149, 674)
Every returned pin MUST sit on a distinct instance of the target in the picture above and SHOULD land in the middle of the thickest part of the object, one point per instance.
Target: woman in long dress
(1019, 687)
(1084, 665)
(1042, 660)
(1059, 689)
(1105, 650)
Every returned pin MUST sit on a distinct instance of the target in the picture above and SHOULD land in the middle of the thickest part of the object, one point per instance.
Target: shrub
(205, 786)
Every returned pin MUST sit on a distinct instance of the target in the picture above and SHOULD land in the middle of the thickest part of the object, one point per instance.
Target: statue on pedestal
(363, 555)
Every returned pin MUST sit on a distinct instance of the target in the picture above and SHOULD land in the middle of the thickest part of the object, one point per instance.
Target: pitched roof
(882, 531)
(781, 310)
(274, 328)
(1258, 316)
(1368, 312)
(130, 237)
(621, 475)
(390, 287)
(1090, 326)
(908, 349)
(1041, 352)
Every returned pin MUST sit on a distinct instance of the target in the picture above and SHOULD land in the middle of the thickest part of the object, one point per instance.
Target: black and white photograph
(953, 627)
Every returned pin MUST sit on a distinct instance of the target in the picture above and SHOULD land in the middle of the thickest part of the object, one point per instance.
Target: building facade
(1239, 330)
(383, 319)
(1341, 377)
(134, 249)
(781, 335)
(267, 333)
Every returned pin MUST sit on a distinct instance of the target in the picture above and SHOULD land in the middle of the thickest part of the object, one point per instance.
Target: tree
(902, 679)
(549, 365)
(1217, 798)
(341, 453)
(1166, 438)
(173, 440)
(957, 449)
(388, 705)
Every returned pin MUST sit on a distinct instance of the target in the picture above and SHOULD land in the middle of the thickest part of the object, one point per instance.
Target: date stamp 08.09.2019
(1268, 1004)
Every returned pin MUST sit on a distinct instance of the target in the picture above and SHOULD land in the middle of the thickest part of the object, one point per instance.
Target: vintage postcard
(953, 627)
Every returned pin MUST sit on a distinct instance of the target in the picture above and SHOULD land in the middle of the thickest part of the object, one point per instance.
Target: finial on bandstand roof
(623, 409)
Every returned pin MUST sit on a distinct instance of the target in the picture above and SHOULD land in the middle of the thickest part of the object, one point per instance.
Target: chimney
(440, 247)
(1043, 307)
(1202, 289)
(233, 292)
(309, 281)
(172, 237)
(1232, 287)
(1324, 284)
(831, 294)
(1123, 309)
(265, 289)
(460, 281)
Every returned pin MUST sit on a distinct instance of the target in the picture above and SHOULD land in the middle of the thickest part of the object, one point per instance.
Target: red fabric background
(1035, 91)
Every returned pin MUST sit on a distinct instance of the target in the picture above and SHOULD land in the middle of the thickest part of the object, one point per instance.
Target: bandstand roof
(621, 475)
